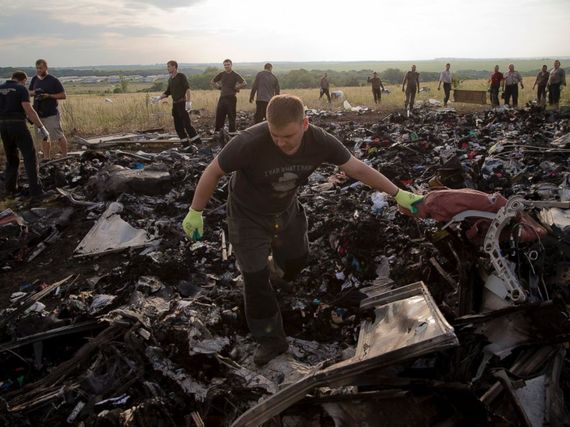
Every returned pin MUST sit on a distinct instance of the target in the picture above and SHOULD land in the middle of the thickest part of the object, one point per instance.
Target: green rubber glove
(193, 224)
(408, 200)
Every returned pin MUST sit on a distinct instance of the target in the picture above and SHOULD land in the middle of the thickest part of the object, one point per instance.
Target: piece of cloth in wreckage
(443, 205)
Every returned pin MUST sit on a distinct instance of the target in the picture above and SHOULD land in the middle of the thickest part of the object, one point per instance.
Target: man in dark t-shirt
(14, 108)
(411, 85)
(179, 89)
(269, 162)
(229, 82)
(325, 86)
(377, 87)
(47, 90)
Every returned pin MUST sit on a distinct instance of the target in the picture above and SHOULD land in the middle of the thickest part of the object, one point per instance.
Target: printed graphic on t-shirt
(7, 91)
(285, 184)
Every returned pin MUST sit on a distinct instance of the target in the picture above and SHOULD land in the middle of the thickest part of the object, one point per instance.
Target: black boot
(270, 335)
(269, 350)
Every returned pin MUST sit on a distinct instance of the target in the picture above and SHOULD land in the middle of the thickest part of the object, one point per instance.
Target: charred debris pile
(111, 317)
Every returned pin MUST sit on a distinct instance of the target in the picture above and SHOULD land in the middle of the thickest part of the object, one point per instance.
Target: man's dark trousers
(182, 123)
(254, 237)
(447, 91)
(512, 91)
(16, 136)
(260, 111)
(541, 94)
(377, 95)
(327, 93)
(226, 106)
(495, 95)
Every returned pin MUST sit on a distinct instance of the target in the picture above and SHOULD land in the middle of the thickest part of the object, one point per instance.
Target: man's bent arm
(60, 95)
(358, 170)
(207, 185)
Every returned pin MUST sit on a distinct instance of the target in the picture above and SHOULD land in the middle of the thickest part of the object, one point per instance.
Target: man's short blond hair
(285, 109)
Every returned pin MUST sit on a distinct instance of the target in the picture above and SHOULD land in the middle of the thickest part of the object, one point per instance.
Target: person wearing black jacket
(179, 89)
(15, 106)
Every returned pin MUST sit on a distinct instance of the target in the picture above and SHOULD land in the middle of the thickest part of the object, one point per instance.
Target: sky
(125, 32)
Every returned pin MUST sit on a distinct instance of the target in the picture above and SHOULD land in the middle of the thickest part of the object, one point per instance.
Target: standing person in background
(557, 78)
(377, 87)
(512, 80)
(325, 85)
(497, 81)
(14, 107)
(446, 78)
(229, 82)
(47, 90)
(266, 86)
(541, 81)
(179, 89)
(411, 85)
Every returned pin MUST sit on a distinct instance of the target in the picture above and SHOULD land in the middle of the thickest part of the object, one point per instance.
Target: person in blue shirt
(14, 108)
(47, 90)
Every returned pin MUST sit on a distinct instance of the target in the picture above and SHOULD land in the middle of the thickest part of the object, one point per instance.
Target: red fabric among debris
(443, 205)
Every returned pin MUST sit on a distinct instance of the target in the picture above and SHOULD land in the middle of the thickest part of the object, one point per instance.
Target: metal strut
(491, 246)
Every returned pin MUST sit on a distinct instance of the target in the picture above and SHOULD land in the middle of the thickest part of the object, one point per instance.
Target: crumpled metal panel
(408, 324)
(405, 318)
(111, 234)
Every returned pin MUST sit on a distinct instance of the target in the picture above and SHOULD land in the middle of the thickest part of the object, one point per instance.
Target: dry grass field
(110, 113)
(100, 114)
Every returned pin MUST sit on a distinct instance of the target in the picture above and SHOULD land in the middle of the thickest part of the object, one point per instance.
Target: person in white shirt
(512, 80)
(445, 77)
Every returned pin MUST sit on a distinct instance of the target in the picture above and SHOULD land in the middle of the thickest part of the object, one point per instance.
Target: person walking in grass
(229, 83)
(541, 81)
(325, 87)
(15, 107)
(179, 89)
(47, 90)
(446, 78)
(411, 86)
(556, 79)
(377, 87)
(266, 86)
(497, 82)
(512, 80)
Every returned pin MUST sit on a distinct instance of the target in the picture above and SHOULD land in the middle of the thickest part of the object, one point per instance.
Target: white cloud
(151, 31)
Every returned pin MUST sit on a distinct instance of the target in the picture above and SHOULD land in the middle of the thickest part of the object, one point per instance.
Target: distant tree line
(294, 79)
(300, 79)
